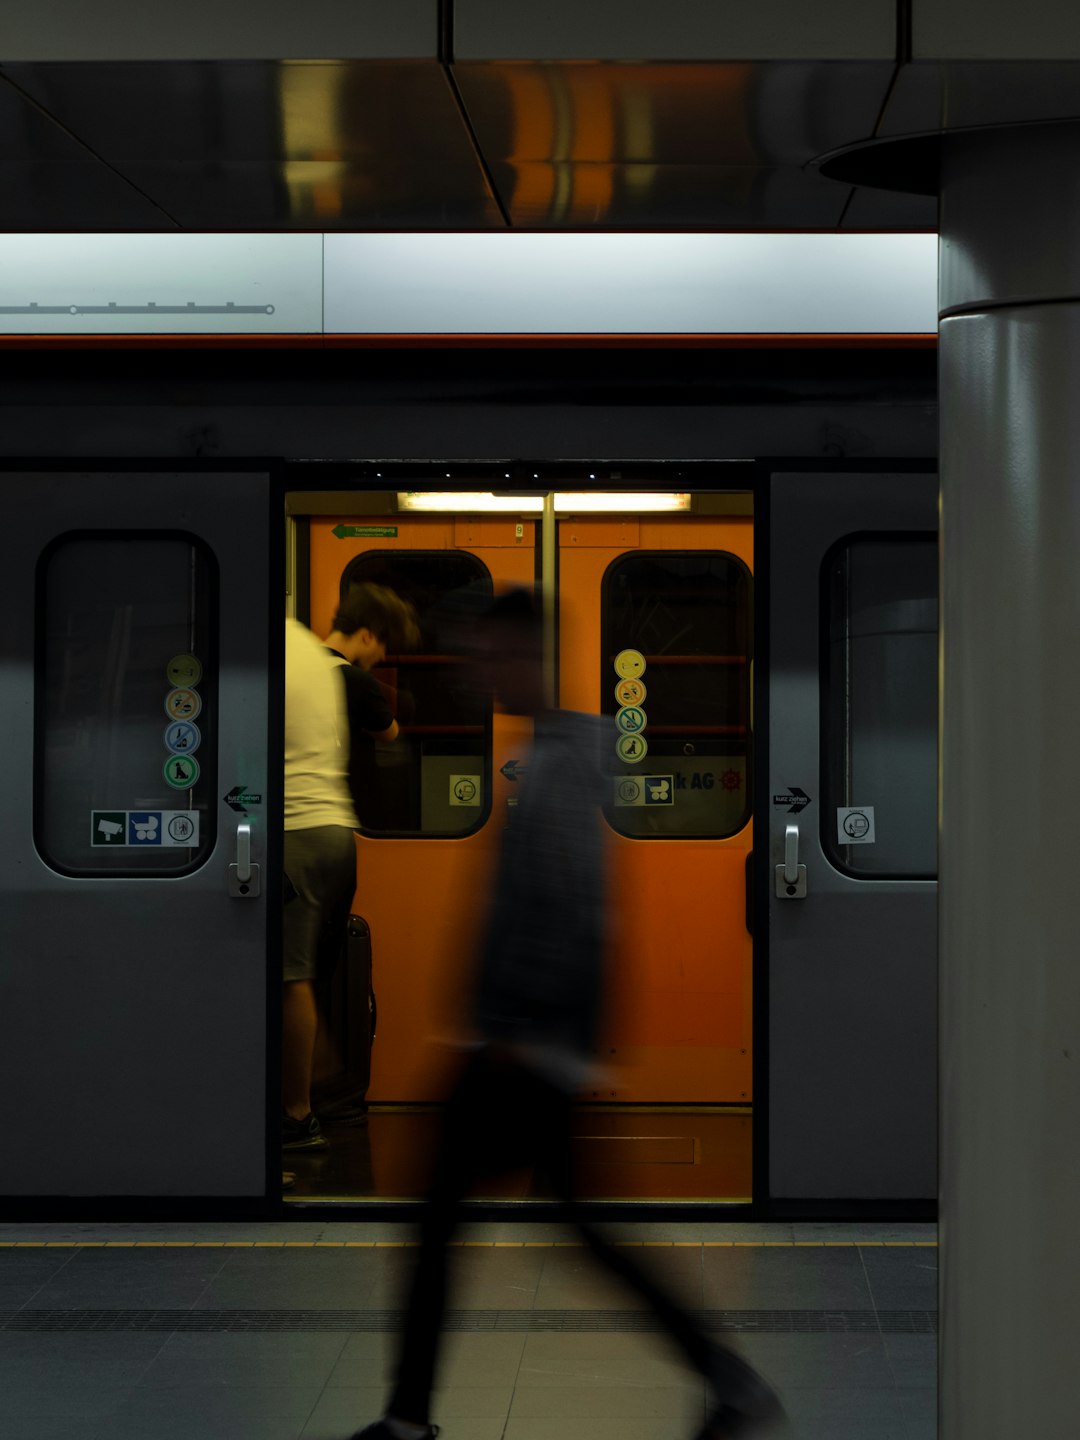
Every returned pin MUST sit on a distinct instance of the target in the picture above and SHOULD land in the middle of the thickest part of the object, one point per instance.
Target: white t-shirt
(316, 735)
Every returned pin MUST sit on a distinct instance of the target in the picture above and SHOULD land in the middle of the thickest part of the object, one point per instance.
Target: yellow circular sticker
(184, 670)
(631, 748)
(630, 664)
(630, 692)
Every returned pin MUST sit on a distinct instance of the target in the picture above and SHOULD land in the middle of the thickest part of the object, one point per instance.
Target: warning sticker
(645, 790)
(137, 829)
(855, 825)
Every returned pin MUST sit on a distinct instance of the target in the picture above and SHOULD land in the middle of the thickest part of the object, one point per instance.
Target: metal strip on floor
(265, 1321)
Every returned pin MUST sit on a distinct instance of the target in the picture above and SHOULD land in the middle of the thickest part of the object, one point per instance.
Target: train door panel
(852, 925)
(138, 870)
(438, 794)
(655, 617)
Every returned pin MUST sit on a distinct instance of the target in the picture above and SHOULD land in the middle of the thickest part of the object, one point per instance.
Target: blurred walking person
(536, 1014)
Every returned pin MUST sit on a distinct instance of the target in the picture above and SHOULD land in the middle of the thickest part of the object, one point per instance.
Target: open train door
(851, 857)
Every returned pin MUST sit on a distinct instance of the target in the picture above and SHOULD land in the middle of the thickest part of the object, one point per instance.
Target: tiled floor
(286, 1331)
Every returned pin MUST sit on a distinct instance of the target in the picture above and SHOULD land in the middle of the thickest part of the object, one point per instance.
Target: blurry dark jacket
(539, 983)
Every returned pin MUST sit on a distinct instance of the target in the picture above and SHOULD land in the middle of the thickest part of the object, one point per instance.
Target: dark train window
(879, 707)
(676, 632)
(125, 724)
(435, 779)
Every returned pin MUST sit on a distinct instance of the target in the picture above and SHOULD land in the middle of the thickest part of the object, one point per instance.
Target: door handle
(791, 853)
(242, 876)
(791, 876)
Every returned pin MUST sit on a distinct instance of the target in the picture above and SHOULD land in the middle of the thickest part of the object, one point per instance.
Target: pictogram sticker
(181, 771)
(630, 692)
(630, 664)
(855, 825)
(184, 670)
(182, 738)
(183, 703)
(631, 720)
(138, 829)
(464, 789)
(631, 748)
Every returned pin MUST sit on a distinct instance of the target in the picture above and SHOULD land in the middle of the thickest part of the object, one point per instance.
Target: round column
(1010, 753)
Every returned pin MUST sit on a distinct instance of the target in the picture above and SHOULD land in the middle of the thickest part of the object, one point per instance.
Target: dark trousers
(501, 1116)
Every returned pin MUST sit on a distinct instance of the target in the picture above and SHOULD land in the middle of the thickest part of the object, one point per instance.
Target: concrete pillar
(1010, 851)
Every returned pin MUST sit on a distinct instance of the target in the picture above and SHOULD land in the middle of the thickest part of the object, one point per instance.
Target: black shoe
(379, 1430)
(746, 1403)
(303, 1134)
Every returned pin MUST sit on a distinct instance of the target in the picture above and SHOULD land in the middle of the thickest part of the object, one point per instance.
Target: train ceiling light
(576, 502)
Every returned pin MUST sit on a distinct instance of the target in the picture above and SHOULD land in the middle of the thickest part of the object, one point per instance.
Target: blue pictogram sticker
(659, 790)
(630, 719)
(144, 827)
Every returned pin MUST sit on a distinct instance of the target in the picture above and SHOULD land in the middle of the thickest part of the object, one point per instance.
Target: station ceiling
(669, 123)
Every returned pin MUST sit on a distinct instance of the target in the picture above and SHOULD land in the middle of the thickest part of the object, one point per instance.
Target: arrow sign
(365, 532)
(238, 797)
(796, 801)
(513, 769)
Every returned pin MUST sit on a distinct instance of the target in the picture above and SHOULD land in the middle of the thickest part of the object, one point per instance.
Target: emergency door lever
(243, 876)
(791, 876)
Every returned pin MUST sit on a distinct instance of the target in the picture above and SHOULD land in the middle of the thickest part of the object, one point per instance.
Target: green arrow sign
(365, 532)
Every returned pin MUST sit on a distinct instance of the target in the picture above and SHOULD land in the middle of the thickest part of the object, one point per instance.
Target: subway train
(761, 630)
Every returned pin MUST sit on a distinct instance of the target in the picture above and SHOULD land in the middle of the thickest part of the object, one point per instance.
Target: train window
(879, 704)
(435, 779)
(125, 739)
(676, 632)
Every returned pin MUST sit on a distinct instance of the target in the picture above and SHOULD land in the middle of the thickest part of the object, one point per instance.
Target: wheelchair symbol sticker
(855, 825)
(630, 720)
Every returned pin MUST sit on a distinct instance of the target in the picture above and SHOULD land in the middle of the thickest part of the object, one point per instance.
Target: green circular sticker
(181, 771)
(631, 748)
(184, 670)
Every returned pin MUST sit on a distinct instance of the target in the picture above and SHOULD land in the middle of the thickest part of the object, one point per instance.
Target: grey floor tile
(308, 1279)
(299, 1360)
(465, 1359)
(634, 1360)
(902, 1279)
(359, 1404)
(683, 1406)
(217, 1403)
(575, 1279)
(495, 1279)
(819, 1361)
(785, 1279)
(913, 1360)
(591, 1428)
(108, 1279)
(71, 1399)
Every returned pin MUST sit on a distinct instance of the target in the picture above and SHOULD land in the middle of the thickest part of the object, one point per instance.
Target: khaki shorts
(320, 881)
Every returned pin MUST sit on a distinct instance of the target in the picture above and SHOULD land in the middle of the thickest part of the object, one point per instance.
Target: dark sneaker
(746, 1404)
(379, 1430)
(303, 1134)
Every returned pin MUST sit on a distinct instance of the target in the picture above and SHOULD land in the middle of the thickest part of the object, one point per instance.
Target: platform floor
(285, 1331)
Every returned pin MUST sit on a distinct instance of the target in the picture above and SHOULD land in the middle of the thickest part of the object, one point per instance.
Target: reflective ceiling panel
(675, 144)
(872, 209)
(48, 181)
(950, 96)
(314, 144)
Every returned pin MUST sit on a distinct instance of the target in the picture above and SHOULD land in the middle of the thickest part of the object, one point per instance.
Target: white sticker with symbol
(464, 789)
(137, 829)
(645, 790)
(855, 825)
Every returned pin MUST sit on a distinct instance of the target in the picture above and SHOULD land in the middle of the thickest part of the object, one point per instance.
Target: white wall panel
(675, 30)
(630, 283)
(160, 284)
(213, 30)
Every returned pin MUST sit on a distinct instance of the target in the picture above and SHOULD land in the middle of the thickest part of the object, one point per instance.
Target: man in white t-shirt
(320, 859)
